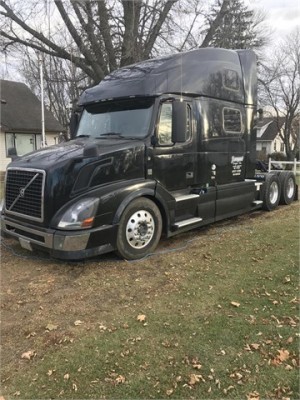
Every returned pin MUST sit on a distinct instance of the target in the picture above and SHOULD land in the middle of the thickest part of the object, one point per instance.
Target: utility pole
(43, 142)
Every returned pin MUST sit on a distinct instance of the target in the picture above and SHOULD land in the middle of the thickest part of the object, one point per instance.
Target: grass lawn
(217, 319)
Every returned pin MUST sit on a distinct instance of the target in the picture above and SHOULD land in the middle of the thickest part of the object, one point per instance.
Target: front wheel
(139, 229)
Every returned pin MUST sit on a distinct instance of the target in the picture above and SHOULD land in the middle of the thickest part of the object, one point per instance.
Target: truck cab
(162, 146)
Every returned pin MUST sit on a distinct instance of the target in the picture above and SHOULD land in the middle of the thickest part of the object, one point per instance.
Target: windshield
(126, 119)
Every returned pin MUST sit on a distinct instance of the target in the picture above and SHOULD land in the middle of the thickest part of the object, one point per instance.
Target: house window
(232, 120)
(275, 146)
(23, 142)
(282, 147)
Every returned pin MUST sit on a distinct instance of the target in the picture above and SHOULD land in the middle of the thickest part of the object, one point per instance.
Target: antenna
(180, 21)
(181, 99)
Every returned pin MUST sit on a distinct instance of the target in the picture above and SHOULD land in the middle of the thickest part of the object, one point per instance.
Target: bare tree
(280, 82)
(63, 82)
(81, 41)
(101, 35)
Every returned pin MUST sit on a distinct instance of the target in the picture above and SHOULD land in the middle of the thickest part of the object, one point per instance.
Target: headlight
(80, 215)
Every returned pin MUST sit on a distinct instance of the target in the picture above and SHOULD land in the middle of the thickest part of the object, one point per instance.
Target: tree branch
(215, 24)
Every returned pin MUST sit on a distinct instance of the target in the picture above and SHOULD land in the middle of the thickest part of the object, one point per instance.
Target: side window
(164, 132)
(232, 120)
(231, 79)
(189, 122)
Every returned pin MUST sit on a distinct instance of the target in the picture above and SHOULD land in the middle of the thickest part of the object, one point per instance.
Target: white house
(20, 125)
(268, 140)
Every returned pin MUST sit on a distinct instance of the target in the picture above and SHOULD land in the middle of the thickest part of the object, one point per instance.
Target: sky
(282, 16)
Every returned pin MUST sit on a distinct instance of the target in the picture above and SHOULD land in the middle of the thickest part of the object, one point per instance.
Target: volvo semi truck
(159, 147)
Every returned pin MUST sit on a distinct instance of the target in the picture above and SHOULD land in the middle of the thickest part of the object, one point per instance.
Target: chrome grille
(24, 193)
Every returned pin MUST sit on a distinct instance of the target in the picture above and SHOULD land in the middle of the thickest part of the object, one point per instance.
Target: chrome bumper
(50, 239)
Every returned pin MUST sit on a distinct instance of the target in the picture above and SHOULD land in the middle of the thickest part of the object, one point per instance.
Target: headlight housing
(80, 215)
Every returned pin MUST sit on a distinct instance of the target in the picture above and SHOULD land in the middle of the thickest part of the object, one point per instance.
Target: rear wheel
(139, 229)
(288, 187)
(271, 192)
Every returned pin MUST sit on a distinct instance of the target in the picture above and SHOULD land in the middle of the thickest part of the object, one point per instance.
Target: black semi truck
(161, 146)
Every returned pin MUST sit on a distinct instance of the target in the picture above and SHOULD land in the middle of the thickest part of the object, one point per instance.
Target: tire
(288, 187)
(271, 192)
(139, 229)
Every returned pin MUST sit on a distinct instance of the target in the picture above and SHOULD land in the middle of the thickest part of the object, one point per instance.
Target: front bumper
(67, 245)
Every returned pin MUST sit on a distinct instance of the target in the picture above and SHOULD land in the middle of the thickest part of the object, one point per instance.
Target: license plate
(25, 244)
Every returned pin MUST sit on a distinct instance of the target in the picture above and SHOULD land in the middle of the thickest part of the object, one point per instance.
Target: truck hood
(60, 153)
(78, 166)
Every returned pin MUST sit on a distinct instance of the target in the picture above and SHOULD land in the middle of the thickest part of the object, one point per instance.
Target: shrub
(278, 156)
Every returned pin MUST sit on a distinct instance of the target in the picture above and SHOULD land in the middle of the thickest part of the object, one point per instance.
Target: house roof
(270, 128)
(21, 109)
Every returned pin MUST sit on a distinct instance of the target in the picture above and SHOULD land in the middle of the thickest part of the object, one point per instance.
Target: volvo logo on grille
(22, 192)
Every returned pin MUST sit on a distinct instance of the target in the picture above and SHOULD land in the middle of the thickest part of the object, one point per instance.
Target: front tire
(139, 229)
(271, 192)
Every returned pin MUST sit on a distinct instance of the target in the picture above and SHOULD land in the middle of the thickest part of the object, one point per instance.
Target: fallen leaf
(141, 318)
(28, 355)
(239, 376)
(74, 387)
(290, 340)
(228, 389)
(31, 334)
(268, 341)
(120, 379)
(169, 392)
(51, 327)
(235, 304)
(253, 396)
(255, 346)
(283, 355)
(66, 377)
(195, 379)
(78, 322)
(197, 366)
(102, 327)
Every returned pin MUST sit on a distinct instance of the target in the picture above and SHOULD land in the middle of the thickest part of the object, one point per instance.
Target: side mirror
(74, 120)
(12, 153)
(179, 122)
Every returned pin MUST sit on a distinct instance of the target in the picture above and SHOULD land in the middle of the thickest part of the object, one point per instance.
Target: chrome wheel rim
(140, 229)
(290, 188)
(274, 192)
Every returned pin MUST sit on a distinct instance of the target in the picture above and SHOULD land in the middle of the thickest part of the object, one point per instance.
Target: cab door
(174, 159)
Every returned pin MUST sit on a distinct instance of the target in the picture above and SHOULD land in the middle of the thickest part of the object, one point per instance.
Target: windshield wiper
(112, 134)
(118, 135)
(81, 136)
